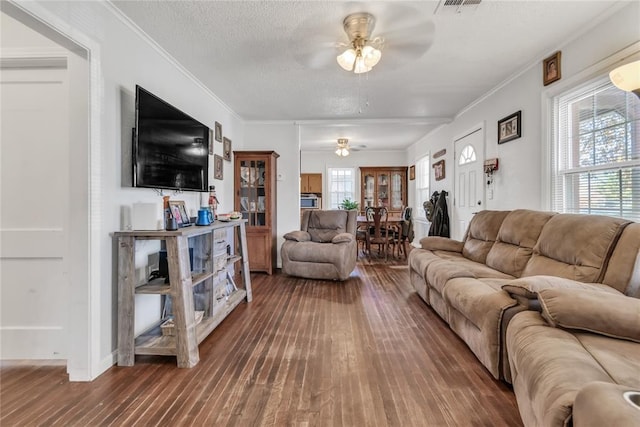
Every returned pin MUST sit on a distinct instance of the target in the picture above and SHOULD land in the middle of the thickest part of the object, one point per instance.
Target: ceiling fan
(392, 34)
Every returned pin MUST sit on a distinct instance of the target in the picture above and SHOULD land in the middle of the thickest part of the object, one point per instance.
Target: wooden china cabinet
(383, 186)
(255, 198)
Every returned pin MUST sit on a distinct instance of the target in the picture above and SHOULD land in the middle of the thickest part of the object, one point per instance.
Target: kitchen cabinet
(311, 183)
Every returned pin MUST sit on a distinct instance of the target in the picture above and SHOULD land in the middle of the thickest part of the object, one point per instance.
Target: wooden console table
(211, 278)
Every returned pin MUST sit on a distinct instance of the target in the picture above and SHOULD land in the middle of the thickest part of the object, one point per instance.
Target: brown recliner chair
(325, 247)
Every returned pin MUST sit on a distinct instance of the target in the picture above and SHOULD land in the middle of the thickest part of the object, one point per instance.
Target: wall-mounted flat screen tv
(170, 148)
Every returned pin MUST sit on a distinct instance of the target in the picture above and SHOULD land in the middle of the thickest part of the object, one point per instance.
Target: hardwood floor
(366, 352)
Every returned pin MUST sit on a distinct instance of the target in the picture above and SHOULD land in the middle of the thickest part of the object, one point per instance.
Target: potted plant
(347, 204)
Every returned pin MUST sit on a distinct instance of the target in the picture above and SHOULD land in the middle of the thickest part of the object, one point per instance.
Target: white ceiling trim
(151, 42)
(538, 60)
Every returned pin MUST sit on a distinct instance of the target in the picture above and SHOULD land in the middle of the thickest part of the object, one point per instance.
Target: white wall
(518, 183)
(122, 57)
(282, 138)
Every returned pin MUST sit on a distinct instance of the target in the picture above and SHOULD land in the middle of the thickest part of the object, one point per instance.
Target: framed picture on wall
(226, 148)
(551, 68)
(510, 127)
(217, 166)
(438, 170)
(412, 172)
(218, 132)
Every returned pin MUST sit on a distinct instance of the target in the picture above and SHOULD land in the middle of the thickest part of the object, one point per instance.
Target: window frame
(564, 153)
(352, 181)
(423, 176)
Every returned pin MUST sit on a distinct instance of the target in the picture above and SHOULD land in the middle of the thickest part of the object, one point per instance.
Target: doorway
(469, 180)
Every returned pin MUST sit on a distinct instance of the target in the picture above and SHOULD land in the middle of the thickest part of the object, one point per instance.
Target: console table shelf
(218, 294)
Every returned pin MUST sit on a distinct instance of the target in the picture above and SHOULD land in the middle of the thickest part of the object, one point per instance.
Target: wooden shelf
(187, 335)
(152, 342)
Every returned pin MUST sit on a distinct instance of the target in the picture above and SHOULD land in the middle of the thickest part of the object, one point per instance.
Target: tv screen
(170, 149)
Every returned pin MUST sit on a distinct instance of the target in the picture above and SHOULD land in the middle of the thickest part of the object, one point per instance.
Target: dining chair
(380, 234)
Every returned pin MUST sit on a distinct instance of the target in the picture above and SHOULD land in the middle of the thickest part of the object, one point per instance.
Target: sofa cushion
(482, 301)
(617, 316)
(481, 234)
(343, 238)
(575, 246)
(623, 270)
(298, 236)
(441, 271)
(548, 367)
(528, 287)
(518, 235)
(437, 243)
(325, 225)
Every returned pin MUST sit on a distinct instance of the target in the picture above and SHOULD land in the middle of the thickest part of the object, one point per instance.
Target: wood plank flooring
(366, 352)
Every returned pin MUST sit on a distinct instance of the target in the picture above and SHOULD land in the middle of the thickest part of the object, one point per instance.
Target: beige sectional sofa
(523, 290)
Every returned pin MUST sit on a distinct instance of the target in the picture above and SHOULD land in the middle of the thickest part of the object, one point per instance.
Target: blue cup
(204, 217)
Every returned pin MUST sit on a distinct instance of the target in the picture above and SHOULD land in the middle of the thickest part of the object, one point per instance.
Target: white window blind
(596, 151)
(341, 186)
(422, 185)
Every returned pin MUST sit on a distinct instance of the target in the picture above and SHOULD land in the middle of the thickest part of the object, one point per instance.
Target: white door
(34, 225)
(469, 180)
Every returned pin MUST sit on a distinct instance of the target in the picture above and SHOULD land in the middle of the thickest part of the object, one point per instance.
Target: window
(422, 186)
(468, 155)
(596, 151)
(341, 185)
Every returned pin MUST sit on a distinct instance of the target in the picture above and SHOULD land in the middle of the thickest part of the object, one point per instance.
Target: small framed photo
(439, 171)
(218, 132)
(551, 69)
(217, 166)
(510, 127)
(412, 172)
(226, 148)
(179, 212)
(210, 142)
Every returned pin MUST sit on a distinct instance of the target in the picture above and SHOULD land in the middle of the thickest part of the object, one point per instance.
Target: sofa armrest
(298, 236)
(600, 404)
(343, 238)
(437, 243)
(616, 316)
(528, 287)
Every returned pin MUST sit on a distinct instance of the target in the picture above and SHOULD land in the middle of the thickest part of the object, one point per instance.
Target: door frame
(480, 127)
(84, 362)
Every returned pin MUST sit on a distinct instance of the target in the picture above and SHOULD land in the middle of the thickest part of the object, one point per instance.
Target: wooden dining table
(394, 222)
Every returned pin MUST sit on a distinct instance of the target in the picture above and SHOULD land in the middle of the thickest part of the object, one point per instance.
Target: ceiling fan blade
(409, 44)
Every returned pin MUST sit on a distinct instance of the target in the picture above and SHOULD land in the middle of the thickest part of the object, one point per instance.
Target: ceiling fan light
(346, 59)
(627, 77)
(342, 152)
(371, 56)
(361, 66)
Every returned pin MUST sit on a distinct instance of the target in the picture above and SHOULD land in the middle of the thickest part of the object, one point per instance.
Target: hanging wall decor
(510, 127)
(438, 169)
(551, 69)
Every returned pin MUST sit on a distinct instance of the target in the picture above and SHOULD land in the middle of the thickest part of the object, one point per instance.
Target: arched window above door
(467, 155)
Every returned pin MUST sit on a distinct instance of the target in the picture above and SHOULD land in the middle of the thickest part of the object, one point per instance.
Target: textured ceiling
(275, 60)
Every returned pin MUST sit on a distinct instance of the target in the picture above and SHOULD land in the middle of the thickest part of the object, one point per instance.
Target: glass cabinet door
(383, 189)
(396, 191)
(252, 191)
(369, 190)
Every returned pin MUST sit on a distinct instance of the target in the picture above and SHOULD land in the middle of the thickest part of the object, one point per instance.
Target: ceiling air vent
(456, 6)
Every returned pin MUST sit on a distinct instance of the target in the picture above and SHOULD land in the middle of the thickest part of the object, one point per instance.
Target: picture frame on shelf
(412, 172)
(218, 132)
(551, 68)
(439, 170)
(226, 148)
(510, 127)
(217, 166)
(179, 212)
